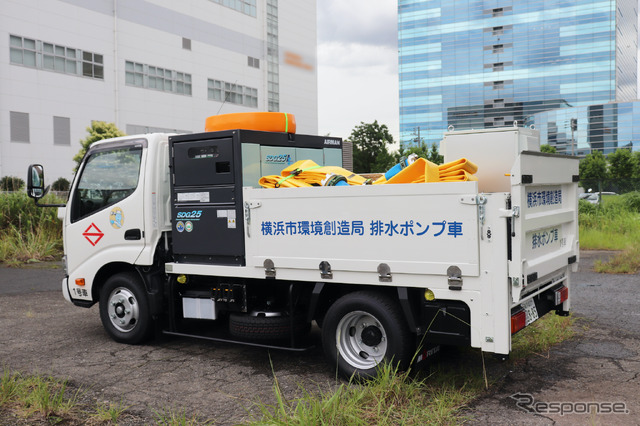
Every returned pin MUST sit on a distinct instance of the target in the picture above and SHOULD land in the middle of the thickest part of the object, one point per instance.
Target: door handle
(132, 234)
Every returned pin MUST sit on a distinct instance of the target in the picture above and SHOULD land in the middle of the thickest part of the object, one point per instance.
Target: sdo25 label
(189, 215)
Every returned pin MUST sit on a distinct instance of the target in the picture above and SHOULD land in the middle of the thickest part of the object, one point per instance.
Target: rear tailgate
(544, 224)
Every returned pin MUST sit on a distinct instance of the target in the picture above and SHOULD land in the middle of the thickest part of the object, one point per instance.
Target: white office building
(145, 65)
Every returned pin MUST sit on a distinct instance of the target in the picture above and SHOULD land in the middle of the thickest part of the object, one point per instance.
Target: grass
(625, 262)
(541, 336)
(109, 412)
(391, 398)
(42, 399)
(36, 397)
(28, 233)
(609, 230)
(175, 417)
(18, 247)
(614, 225)
(434, 396)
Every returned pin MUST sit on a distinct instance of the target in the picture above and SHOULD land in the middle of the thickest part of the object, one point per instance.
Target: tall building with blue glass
(481, 64)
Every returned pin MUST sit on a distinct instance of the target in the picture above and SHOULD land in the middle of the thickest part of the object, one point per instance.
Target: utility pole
(574, 126)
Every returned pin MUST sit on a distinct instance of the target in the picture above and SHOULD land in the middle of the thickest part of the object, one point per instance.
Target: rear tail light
(518, 321)
(561, 295)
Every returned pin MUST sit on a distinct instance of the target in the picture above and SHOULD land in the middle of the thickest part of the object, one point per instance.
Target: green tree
(61, 184)
(370, 151)
(593, 169)
(98, 131)
(11, 183)
(636, 165)
(548, 148)
(621, 169)
(432, 154)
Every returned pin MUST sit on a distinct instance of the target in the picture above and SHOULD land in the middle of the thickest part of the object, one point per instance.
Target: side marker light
(518, 321)
(428, 295)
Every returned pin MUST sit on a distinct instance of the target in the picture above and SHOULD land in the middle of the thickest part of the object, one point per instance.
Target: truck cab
(116, 212)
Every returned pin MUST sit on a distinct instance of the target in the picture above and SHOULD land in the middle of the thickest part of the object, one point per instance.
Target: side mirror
(35, 181)
(35, 185)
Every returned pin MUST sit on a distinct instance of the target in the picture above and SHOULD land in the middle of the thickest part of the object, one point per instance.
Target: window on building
(273, 69)
(222, 91)
(253, 62)
(134, 74)
(53, 57)
(214, 90)
(186, 43)
(61, 131)
(231, 93)
(22, 51)
(248, 7)
(59, 58)
(157, 78)
(183, 83)
(498, 11)
(92, 65)
(160, 79)
(19, 126)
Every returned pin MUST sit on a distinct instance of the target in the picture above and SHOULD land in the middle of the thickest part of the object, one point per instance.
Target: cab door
(105, 216)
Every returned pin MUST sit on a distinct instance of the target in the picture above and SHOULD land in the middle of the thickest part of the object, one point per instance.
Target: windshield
(107, 177)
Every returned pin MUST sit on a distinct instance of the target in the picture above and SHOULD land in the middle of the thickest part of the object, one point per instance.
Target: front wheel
(124, 309)
(363, 329)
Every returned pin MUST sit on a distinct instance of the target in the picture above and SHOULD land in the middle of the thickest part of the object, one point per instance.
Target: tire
(363, 329)
(264, 328)
(124, 309)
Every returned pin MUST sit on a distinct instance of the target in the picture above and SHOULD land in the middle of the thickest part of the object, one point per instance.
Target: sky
(357, 65)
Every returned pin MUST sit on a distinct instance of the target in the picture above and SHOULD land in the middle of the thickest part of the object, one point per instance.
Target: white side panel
(415, 229)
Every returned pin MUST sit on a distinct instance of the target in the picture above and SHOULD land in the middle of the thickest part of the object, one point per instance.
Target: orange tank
(264, 121)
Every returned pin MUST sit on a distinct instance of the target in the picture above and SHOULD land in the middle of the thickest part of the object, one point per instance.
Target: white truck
(170, 233)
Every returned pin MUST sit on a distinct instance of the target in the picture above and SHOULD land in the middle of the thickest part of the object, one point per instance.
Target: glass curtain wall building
(480, 64)
(581, 130)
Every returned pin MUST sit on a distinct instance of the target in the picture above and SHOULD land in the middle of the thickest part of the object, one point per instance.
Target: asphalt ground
(578, 381)
(41, 333)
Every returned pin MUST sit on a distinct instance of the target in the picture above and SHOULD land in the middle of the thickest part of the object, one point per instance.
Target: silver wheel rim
(361, 340)
(123, 309)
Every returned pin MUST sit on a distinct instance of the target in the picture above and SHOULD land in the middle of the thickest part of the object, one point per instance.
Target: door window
(107, 177)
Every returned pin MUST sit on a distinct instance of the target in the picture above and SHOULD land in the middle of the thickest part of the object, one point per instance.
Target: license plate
(530, 311)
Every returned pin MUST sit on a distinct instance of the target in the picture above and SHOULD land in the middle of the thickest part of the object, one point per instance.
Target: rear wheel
(124, 309)
(362, 330)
